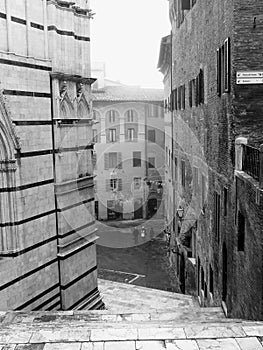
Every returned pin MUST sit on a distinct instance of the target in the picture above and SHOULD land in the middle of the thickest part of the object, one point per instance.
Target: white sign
(250, 75)
(250, 81)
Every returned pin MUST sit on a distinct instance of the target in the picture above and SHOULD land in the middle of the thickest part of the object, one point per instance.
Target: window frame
(112, 135)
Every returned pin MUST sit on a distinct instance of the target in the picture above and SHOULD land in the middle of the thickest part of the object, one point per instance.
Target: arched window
(112, 116)
(8, 211)
(131, 125)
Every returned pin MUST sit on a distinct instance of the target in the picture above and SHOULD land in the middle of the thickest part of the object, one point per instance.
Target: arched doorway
(224, 273)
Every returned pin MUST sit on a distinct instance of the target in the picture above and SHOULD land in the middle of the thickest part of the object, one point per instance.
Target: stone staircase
(135, 318)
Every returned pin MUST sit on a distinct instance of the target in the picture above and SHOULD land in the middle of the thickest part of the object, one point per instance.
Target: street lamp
(142, 232)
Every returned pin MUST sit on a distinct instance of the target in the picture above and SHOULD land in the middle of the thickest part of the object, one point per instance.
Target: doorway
(224, 276)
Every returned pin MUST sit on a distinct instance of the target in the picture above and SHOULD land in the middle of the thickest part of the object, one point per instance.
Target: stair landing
(136, 318)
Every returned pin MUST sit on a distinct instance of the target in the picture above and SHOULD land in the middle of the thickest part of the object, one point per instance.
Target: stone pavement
(136, 318)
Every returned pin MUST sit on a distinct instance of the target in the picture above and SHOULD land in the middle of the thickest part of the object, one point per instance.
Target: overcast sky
(126, 35)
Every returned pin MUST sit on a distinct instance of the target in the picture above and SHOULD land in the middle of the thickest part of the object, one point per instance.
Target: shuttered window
(183, 173)
(217, 211)
(112, 160)
(241, 232)
(136, 159)
(218, 71)
(227, 65)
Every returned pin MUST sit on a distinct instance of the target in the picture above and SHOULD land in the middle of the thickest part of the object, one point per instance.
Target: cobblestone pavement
(136, 318)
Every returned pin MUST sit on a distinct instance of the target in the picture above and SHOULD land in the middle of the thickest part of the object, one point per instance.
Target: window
(112, 135)
(113, 185)
(137, 183)
(113, 160)
(202, 279)
(211, 280)
(151, 162)
(190, 94)
(217, 215)
(112, 116)
(94, 136)
(225, 201)
(131, 134)
(195, 180)
(175, 168)
(218, 70)
(186, 4)
(241, 232)
(183, 173)
(227, 65)
(94, 159)
(203, 193)
(223, 68)
(136, 159)
(130, 116)
(151, 135)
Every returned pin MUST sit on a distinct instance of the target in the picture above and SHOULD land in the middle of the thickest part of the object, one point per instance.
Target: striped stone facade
(48, 234)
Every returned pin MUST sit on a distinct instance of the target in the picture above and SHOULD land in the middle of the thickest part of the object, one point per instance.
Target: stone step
(71, 333)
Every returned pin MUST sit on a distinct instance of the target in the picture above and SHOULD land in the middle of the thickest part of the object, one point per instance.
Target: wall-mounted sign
(255, 77)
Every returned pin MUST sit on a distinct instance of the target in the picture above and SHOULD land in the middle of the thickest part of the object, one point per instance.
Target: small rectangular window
(113, 160)
(136, 159)
(225, 201)
(183, 97)
(241, 232)
(151, 135)
(218, 70)
(183, 173)
(190, 94)
(131, 134)
(211, 280)
(94, 136)
(195, 180)
(112, 135)
(227, 65)
(203, 193)
(217, 212)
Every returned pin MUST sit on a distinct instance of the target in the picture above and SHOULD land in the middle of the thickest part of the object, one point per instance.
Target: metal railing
(251, 161)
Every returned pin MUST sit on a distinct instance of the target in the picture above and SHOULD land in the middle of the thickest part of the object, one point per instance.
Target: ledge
(74, 185)
(71, 77)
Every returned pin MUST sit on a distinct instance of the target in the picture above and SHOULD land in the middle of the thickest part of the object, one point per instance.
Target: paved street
(145, 264)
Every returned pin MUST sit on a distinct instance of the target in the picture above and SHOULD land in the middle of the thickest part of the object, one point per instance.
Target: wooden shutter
(201, 86)
(197, 91)
(119, 160)
(218, 70)
(119, 184)
(106, 161)
(108, 187)
(186, 5)
(183, 96)
(94, 160)
(190, 93)
(227, 65)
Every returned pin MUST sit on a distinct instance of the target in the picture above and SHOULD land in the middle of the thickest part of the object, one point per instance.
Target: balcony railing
(251, 161)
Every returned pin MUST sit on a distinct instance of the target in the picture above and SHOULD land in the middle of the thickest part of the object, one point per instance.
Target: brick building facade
(48, 233)
(215, 201)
